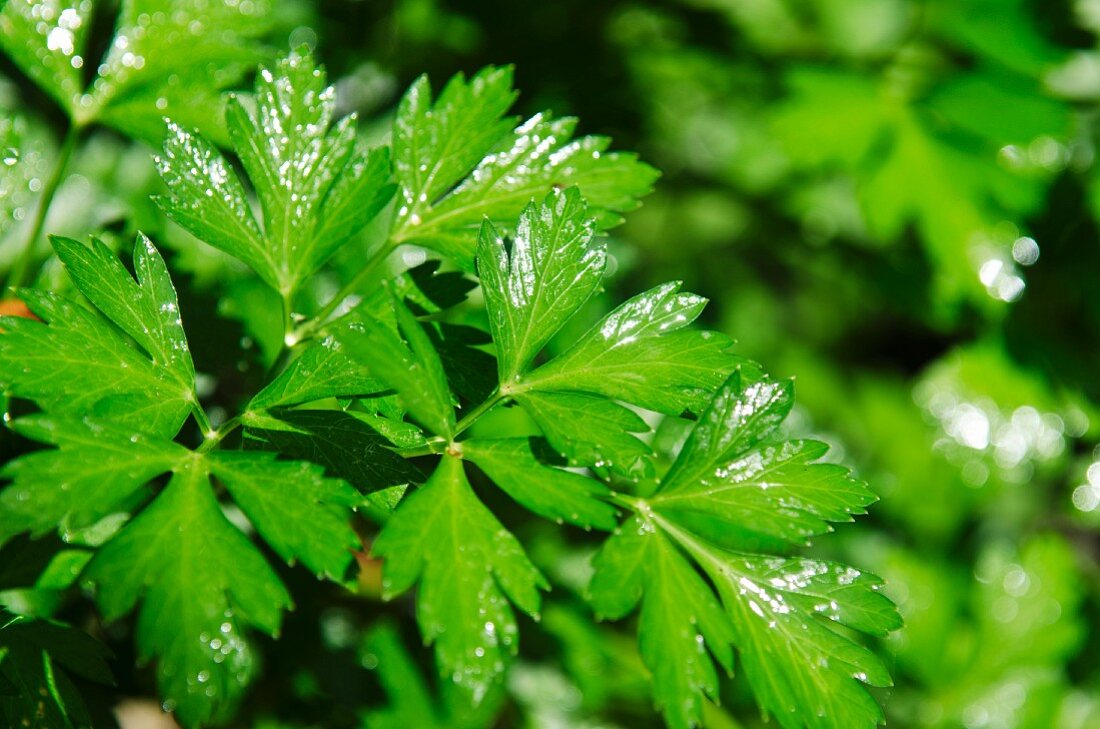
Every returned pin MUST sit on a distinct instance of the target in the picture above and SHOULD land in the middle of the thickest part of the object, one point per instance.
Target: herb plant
(374, 420)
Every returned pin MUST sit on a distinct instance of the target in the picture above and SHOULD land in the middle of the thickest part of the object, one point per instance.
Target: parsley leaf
(457, 163)
(201, 581)
(552, 269)
(680, 616)
(315, 185)
(78, 363)
(199, 574)
(98, 469)
(778, 609)
(469, 568)
(159, 62)
(547, 491)
(298, 511)
(36, 658)
(407, 361)
(590, 430)
(322, 370)
(642, 354)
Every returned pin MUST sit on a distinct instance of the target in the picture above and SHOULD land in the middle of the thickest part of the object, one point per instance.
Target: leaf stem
(214, 437)
(202, 419)
(472, 417)
(22, 264)
(310, 328)
(433, 447)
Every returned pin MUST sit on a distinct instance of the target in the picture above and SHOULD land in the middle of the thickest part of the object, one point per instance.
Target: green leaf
(735, 419)
(547, 491)
(436, 145)
(291, 504)
(726, 470)
(315, 185)
(77, 363)
(469, 568)
(733, 471)
(457, 164)
(590, 430)
(410, 365)
(97, 469)
(640, 353)
(36, 658)
(776, 490)
(680, 617)
(147, 310)
(167, 58)
(173, 58)
(803, 672)
(552, 269)
(201, 577)
(322, 370)
(344, 445)
(201, 582)
(46, 40)
(411, 703)
(206, 197)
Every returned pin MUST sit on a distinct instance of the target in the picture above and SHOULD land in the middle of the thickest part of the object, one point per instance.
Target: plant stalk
(317, 321)
(22, 265)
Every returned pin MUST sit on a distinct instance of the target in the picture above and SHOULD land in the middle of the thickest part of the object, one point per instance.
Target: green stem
(202, 419)
(290, 341)
(433, 447)
(472, 417)
(22, 265)
(310, 328)
(214, 437)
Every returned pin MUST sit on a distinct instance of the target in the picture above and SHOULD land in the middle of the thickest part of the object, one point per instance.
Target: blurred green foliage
(895, 201)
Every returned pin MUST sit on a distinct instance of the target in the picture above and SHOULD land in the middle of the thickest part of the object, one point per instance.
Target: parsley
(376, 402)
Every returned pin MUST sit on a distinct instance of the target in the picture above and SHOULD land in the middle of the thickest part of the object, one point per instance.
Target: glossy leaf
(75, 362)
(531, 290)
(315, 185)
(469, 569)
(201, 584)
(437, 144)
(146, 309)
(781, 491)
(803, 672)
(322, 370)
(346, 446)
(457, 164)
(96, 470)
(590, 430)
(410, 365)
(733, 471)
(736, 418)
(206, 197)
(547, 491)
(681, 630)
(293, 506)
(640, 353)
